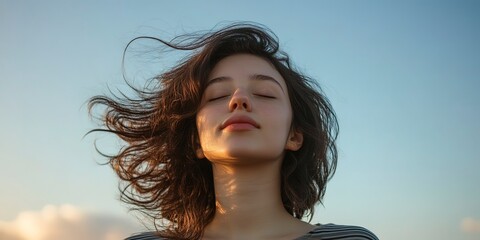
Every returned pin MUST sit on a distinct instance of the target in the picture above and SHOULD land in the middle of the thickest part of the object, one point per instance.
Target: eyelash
(258, 95)
(265, 96)
(213, 99)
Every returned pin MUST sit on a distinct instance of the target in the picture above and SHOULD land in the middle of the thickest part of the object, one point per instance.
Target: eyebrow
(251, 77)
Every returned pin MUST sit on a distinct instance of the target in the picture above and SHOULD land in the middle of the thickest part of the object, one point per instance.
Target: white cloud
(66, 222)
(470, 225)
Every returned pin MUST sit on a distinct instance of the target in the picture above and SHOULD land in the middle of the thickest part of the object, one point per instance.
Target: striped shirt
(324, 232)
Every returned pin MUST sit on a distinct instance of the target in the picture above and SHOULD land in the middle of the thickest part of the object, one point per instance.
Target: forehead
(243, 65)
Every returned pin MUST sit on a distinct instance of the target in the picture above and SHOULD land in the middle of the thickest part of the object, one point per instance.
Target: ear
(294, 141)
(198, 148)
(199, 153)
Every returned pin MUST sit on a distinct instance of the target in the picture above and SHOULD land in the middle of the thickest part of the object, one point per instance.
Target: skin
(246, 159)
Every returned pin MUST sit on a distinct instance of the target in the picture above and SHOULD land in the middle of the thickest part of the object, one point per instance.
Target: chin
(245, 155)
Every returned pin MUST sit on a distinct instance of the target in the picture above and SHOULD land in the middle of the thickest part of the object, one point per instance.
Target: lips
(239, 121)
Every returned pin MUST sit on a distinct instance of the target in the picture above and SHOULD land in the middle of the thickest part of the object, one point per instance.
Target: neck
(248, 199)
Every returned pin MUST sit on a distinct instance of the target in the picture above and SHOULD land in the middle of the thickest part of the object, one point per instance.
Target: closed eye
(264, 96)
(217, 98)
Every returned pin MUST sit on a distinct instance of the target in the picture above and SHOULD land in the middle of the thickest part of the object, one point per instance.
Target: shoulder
(144, 236)
(338, 232)
(325, 232)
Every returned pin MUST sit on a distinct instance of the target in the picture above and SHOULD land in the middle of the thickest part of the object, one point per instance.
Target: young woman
(232, 143)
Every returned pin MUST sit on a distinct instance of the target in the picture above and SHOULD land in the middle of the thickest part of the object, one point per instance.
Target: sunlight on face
(245, 114)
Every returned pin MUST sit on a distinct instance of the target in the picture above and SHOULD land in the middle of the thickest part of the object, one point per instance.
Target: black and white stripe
(339, 232)
(322, 232)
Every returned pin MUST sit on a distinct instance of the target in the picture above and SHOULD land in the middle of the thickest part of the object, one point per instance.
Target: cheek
(279, 115)
(201, 122)
(206, 125)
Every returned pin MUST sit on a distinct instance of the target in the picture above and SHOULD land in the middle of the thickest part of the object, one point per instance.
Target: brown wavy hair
(160, 174)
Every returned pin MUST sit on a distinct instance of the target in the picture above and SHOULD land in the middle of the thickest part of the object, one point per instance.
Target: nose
(240, 101)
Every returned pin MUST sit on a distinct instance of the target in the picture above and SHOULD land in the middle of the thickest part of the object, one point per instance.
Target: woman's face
(245, 114)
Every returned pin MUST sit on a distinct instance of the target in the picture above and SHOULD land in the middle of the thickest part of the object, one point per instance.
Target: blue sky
(402, 76)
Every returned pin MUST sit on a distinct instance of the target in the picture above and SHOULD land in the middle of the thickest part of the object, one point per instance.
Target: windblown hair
(161, 175)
